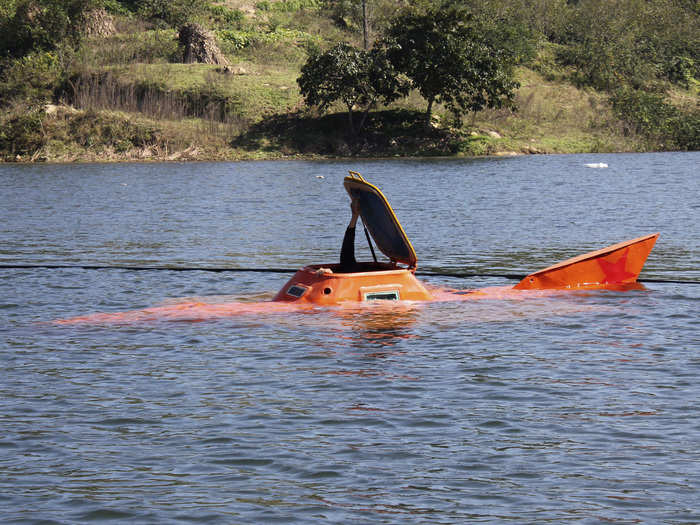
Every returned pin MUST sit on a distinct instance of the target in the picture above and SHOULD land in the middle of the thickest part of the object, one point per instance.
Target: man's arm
(347, 252)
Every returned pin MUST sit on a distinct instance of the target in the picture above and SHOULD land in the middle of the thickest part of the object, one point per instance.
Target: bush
(32, 77)
(649, 115)
(115, 7)
(288, 6)
(284, 45)
(686, 131)
(41, 25)
(22, 135)
(514, 37)
(91, 128)
(631, 42)
(680, 70)
(226, 16)
(235, 40)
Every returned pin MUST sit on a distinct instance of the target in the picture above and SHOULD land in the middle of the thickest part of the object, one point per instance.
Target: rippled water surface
(578, 408)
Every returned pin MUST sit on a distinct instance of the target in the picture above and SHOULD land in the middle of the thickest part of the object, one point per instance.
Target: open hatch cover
(380, 220)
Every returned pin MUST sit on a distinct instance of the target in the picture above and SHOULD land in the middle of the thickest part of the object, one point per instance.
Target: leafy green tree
(352, 76)
(449, 59)
(174, 13)
(631, 42)
(516, 25)
(27, 25)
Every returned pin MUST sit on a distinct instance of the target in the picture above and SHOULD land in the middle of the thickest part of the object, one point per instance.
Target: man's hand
(355, 207)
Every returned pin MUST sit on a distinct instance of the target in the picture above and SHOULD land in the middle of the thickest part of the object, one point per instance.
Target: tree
(631, 42)
(40, 25)
(174, 13)
(445, 53)
(367, 17)
(355, 77)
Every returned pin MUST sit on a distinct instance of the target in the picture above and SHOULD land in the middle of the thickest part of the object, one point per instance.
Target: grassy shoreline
(552, 118)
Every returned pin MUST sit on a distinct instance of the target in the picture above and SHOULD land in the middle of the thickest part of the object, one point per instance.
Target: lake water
(581, 407)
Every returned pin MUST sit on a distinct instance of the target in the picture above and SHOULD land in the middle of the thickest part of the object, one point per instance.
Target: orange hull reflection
(375, 317)
(186, 311)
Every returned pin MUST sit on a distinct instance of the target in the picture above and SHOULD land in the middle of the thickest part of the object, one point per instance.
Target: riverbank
(551, 118)
(124, 95)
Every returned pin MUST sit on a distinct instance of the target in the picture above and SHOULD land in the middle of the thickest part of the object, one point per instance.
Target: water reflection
(379, 324)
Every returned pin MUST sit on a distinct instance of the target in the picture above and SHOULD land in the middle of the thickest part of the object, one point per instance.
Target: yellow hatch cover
(380, 220)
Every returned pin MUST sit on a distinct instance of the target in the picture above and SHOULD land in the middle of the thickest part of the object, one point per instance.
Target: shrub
(91, 128)
(115, 7)
(226, 16)
(33, 77)
(685, 130)
(632, 42)
(22, 134)
(289, 6)
(233, 41)
(646, 113)
(680, 70)
(649, 115)
(41, 25)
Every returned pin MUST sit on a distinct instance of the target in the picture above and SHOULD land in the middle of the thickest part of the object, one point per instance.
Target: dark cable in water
(142, 268)
(275, 270)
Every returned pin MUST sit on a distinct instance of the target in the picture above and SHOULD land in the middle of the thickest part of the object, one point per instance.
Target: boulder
(235, 70)
(99, 22)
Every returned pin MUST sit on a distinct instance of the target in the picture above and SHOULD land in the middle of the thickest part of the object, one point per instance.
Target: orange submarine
(351, 284)
(615, 267)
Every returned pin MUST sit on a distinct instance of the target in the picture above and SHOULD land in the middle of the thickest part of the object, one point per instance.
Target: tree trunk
(429, 113)
(365, 113)
(365, 25)
(351, 121)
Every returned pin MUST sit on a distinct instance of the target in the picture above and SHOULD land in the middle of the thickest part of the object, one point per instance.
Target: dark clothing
(347, 252)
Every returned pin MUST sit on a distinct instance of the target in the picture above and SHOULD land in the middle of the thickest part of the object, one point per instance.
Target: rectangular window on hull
(388, 295)
(296, 291)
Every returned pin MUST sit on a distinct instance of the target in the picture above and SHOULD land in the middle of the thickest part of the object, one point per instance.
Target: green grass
(249, 97)
(555, 118)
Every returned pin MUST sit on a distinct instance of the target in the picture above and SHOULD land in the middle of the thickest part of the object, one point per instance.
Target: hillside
(123, 93)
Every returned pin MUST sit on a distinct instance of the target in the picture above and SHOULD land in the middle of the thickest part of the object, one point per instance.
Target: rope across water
(276, 270)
